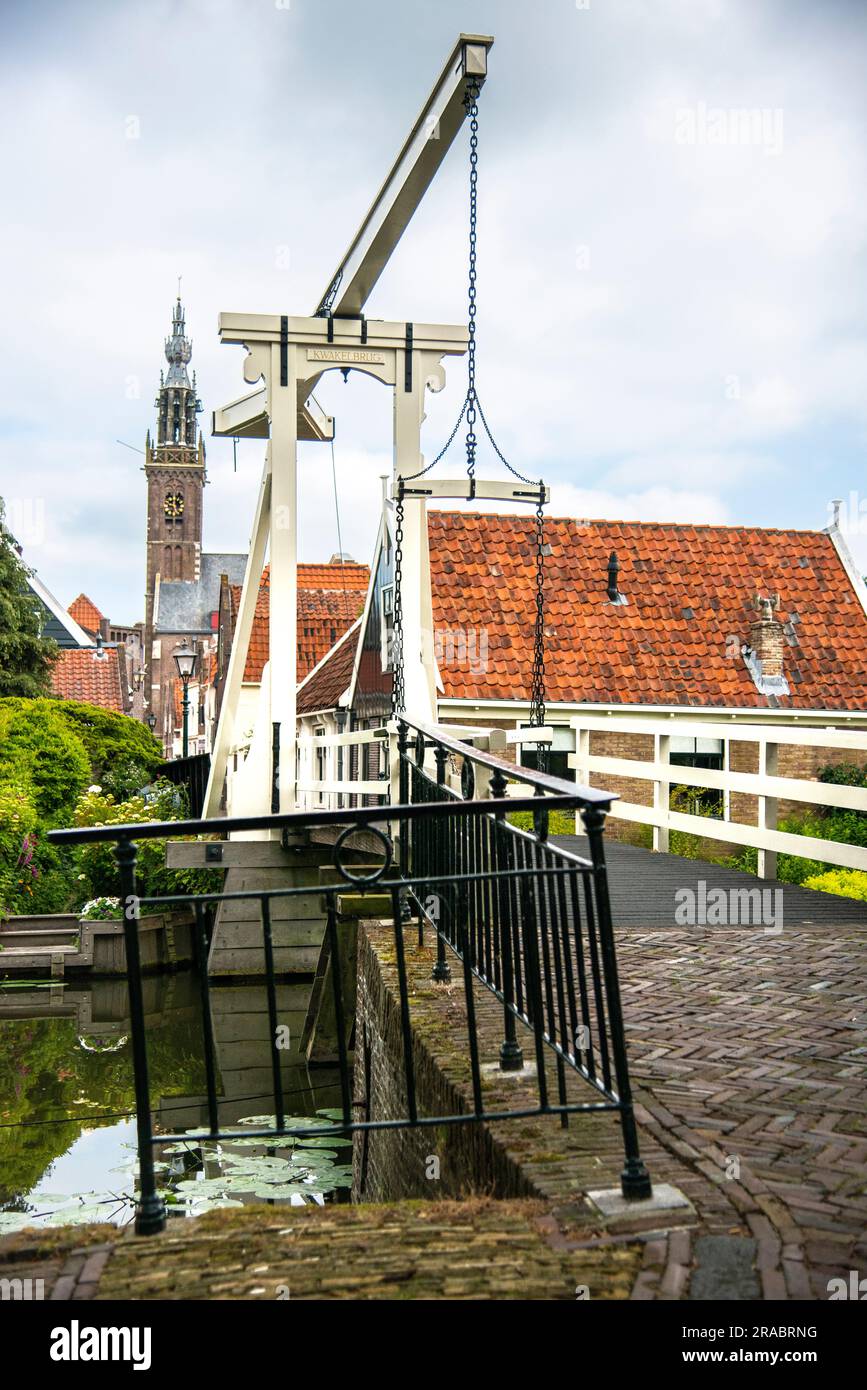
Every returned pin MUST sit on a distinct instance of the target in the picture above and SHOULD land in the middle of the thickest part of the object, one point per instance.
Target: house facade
(698, 625)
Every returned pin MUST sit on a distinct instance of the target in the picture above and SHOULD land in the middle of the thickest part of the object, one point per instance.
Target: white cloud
(661, 325)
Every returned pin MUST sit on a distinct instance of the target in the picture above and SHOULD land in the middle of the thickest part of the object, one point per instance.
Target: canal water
(68, 1139)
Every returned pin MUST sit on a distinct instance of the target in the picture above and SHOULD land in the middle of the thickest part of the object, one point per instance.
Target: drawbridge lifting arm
(388, 217)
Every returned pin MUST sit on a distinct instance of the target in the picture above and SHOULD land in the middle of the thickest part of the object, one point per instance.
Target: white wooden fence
(765, 784)
(325, 764)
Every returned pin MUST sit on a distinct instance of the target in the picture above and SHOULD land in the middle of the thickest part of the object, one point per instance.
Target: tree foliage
(26, 657)
(38, 750)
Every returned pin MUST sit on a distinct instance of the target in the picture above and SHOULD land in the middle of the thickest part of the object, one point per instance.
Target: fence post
(634, 1180)
(766, 866)
(579, 760)
(661, 792)
(150, 1216)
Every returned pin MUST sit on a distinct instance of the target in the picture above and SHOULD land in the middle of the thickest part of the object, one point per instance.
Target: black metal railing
(529, 919)
(528, 923)
(192, 774)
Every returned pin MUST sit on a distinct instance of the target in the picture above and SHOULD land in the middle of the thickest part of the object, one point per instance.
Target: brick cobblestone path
(747, 1053)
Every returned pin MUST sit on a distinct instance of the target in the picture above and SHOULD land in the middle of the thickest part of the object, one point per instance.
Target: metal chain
(471, 105)
(471, 410)
(398, 689)
(537, 687)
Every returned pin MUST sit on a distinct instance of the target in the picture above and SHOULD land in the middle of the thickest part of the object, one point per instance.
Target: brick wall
(392, 1164)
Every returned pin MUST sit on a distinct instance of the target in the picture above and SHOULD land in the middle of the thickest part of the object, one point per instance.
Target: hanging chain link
(537, 687)
(471, 105)
(398, 688)
(471, 411)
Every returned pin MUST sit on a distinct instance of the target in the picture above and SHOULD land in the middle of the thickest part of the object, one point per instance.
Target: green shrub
(843, 775)
(123, 756)
(695, 801)
(18, 824)
(39, 751)
(846, 883)
(96, 870)
(559, 822)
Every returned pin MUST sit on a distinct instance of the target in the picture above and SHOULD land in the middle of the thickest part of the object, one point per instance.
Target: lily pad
(215, 1204)
(82, 1216)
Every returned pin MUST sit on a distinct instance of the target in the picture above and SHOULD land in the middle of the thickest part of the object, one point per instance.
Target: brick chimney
(767, 638)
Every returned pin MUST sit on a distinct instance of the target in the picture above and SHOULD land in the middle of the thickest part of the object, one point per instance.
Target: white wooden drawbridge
(286, 356)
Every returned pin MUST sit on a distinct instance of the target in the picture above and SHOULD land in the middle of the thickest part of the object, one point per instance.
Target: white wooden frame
(765, 784)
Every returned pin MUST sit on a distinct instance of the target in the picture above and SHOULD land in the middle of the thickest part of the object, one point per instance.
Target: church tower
(175, 471)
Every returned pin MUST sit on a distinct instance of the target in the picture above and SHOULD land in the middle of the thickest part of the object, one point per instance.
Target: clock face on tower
(174, 505)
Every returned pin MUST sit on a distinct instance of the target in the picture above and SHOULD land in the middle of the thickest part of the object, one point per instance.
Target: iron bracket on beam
(407, 376)
(284, 350)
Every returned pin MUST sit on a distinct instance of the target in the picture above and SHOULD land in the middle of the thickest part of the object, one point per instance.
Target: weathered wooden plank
(378, 905)
(297, 960)
(236, 1028)
(236, 935)
(320, 1030)
(235, 854)
(251, 999)
(304, 908)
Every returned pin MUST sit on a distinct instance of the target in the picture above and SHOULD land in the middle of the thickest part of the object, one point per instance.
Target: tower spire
(177, 403)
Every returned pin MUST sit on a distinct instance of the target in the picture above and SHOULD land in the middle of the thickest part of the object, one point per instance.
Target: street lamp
(186, 660)
(152, 722)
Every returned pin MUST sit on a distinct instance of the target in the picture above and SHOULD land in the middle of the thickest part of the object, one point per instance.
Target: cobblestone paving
(474, 1249)
(747, 1054)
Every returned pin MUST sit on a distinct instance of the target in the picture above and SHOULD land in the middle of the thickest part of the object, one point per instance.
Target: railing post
(766, 866)
(661, 791)
(511, 1054)
(442, 971)
(150, 1216)
(634, 1180)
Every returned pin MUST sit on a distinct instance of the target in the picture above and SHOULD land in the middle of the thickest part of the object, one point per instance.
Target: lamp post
(186, 660)
(152, 722)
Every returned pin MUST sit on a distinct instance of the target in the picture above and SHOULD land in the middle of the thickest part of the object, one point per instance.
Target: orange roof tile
(79, 674)
(330, 598)
(326, 685)
(86, 613)
(676, 641)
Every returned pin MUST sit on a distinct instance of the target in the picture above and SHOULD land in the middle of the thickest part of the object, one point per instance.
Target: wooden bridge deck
(644, 888)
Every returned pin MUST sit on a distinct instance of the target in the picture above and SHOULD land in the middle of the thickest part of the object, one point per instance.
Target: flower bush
(96, 868)
(101, 910)
(846, 883)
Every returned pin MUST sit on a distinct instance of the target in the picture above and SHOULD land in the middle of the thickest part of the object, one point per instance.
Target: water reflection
(67, 1143)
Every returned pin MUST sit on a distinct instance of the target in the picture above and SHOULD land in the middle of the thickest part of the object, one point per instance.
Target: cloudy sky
(673, 252)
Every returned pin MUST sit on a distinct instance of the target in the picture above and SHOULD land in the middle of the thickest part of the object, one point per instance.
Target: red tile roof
(79, 674)
(676, 641)
(86, 613)
(330, 597)
(323, 689)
